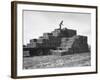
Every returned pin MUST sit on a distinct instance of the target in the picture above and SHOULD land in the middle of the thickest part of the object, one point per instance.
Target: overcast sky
(35, 23)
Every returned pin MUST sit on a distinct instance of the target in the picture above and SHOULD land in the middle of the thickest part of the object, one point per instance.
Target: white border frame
(35, 72)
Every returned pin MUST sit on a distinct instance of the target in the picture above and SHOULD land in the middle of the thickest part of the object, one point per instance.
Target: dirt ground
(52, 61)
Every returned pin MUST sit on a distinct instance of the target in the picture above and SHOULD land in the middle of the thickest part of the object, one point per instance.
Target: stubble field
(53, 61)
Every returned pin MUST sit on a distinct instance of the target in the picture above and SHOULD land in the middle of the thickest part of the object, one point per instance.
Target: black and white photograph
(56, 39)
(53, 39)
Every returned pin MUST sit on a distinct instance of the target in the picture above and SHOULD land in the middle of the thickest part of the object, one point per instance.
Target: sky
(35, 23)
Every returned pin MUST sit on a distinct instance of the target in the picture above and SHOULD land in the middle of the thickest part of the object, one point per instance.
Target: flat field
(53, 61)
